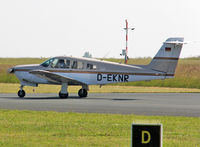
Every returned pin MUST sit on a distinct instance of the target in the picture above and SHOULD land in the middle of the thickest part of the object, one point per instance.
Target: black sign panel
(146, 135)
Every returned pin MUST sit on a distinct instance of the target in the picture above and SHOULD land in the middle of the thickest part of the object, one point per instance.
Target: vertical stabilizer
(167, 57)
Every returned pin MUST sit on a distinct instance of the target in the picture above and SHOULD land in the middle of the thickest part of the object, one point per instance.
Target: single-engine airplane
(66, 71)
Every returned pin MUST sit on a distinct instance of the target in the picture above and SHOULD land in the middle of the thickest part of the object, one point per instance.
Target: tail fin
(167, 57)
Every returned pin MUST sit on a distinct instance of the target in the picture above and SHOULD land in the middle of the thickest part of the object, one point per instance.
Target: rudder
(167, 57)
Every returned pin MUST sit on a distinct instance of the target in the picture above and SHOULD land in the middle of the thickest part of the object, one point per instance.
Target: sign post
(146, 135)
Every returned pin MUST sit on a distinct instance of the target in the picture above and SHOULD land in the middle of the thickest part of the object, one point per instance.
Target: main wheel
(21, 93)
(63, 95)
(82, 93)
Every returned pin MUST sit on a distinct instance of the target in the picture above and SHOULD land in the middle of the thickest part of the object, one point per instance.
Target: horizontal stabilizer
(174, 41)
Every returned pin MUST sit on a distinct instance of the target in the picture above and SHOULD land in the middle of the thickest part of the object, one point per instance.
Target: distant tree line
(87, 55)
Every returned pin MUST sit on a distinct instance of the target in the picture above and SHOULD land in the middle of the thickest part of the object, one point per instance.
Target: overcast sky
(35, 28)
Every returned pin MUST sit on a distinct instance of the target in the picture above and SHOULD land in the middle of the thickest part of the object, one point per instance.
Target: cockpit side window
(48, 63)
(67, 64)
(74, 65)
(54, 63)
(60, 63)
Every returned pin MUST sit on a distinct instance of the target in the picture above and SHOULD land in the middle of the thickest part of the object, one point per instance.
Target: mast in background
(125, 51)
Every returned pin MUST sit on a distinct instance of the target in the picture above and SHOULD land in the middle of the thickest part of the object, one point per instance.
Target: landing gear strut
(21, 93)
(63, 93)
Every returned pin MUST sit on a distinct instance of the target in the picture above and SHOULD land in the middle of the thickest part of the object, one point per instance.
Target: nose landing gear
(21, 93)
(63, 93)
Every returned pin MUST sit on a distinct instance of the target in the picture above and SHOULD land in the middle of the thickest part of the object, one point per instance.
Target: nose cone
(23, 68)
(11, 70)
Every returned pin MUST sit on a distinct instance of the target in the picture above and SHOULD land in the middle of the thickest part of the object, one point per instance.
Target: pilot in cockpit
(61, 63)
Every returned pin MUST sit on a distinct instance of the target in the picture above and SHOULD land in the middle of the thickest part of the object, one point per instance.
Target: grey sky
(35, 28)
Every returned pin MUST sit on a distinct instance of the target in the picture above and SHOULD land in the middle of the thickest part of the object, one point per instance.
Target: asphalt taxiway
(174, 104)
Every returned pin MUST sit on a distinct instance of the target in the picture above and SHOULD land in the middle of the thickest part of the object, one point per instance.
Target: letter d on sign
(146, 135)
(148, 138)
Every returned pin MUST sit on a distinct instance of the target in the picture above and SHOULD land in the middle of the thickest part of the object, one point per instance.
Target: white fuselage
(84, 72)
(92, 78)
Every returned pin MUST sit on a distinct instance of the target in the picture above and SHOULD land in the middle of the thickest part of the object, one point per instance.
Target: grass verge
(34, 128)
(13, 88)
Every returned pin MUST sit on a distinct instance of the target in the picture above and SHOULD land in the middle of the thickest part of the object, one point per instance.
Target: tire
(82, 93)
(63, 95)
(21, 93)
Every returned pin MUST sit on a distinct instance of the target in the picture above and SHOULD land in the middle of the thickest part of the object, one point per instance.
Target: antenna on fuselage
(125, 51)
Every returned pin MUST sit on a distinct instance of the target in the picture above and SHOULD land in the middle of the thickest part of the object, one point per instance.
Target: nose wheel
(21, 93)
(63, 92)
(82, 93)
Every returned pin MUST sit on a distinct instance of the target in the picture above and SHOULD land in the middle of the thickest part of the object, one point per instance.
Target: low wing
(55, 78)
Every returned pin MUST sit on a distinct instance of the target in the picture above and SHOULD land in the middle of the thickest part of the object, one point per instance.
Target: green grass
(31, 128)
(187, 74)
(6, 63)
(179, 82)
(19, 61)
(13, 88)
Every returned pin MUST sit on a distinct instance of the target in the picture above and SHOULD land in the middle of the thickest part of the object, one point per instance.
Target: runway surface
(175, 104)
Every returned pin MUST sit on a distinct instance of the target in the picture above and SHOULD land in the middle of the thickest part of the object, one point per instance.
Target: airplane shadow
(33, 98)
(44, 98)
(121, 99)
(73, 98)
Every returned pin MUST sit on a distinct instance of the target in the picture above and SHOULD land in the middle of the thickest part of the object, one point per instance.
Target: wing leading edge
(55, 78)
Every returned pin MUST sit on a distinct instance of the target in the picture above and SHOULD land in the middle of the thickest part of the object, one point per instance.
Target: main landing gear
(82, 92)
(21, 93)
